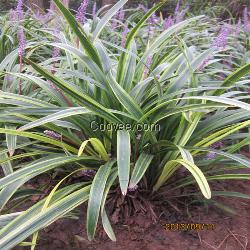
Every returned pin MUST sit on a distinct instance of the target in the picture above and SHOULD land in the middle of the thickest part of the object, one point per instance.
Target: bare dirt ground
(140, 232)
(231, 232)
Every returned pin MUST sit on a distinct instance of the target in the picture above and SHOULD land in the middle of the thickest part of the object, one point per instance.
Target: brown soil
(231, 232)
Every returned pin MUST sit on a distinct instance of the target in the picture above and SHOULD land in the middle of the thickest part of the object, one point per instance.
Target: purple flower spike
(149, 61)
(56, 51)
(180, 16)
(133, 189)
(89, 172)
(205, 62)
(52, 134)
(17, 14)
(151, 24)
(210, 156)
(81, 12)
(13, 15)
(121, 15)
(94, 9)
(114, 21)
(168, 22)
(153, 19)
(217, 144)
(42, 17)
(246, 20)
(177, 8)
(148, 64)
(221, 40)
(238, 28)
(52, 7)
(19, 9)
(124, 35)
(22, 42)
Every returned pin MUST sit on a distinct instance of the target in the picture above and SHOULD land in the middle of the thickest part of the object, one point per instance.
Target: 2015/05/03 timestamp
(188, 226)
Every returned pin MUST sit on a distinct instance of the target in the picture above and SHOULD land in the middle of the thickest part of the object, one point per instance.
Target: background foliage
(62, 71)
(222, 8)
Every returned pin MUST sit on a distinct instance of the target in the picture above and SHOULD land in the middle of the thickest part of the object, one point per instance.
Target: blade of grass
(123, 159)
(140, 168)
(96, 196)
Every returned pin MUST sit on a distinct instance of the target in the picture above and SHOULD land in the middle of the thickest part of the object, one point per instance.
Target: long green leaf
(107, 17)
(140, 168)
(32, 211)
(195, 171)
(234, 77)
(123, 159)
(11, 140)
(222, 177)
(54, 117)
(44, 218)
(95, 197)
(75, 26)
(130, 38)
(80, 97)
(38, 137)
(7, 218)
(6, 165)
(42, 165)
(105, 220)
(125, 99)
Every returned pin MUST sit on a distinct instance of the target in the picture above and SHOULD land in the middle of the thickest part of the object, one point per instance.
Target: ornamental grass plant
(124, 99)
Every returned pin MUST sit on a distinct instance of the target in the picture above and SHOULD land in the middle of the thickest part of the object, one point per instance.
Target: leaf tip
(11, 152)
(208, 196)
(90, 238)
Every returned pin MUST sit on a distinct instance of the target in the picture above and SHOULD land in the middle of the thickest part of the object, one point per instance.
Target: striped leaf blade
(83, 99)
(75, 26)
(96, 196)
(234, 77)
(11, 140)
(125, 99)
(42, 165)
(130, 38)
(6, 164)
(105, 220)
(193, 169)
(44, 218)
(7, 218)
(32, 211)
(123, 159)
(107, 17)
(54, 117)
(140, 168)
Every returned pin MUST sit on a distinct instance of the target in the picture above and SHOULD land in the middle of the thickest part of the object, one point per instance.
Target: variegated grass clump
(176, 79)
